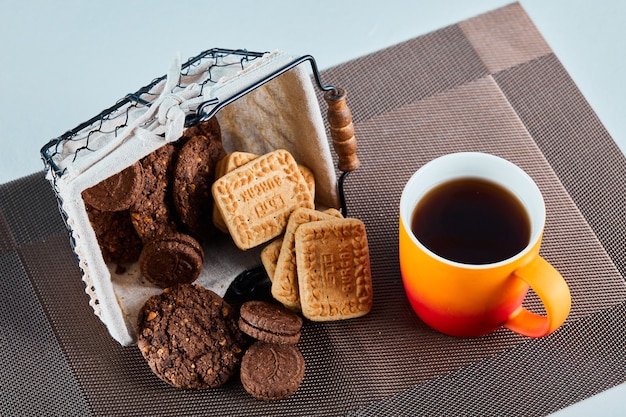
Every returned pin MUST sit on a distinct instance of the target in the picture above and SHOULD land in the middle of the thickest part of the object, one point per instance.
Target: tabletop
(93, 57)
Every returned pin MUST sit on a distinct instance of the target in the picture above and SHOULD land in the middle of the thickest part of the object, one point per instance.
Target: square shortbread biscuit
(309, 178)
(333, 269)
(256, 199)
(237, 159)
(232, 161)
(269, 256)
(285, 280)
(225, 165)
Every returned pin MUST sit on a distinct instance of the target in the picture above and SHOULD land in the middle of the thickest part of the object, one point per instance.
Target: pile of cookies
(273, 367)
(158, 210)
(320, 266)
(318, 261)
(191, 338)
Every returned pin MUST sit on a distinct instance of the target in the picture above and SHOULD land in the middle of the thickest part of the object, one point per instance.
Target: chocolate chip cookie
(189, 337)
(193, 176)
(117, 238)
(152, 213)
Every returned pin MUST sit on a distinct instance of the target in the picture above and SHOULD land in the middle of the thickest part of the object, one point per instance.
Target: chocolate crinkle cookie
(189, 337)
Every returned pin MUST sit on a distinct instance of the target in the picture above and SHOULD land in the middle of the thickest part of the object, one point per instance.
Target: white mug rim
(537, 214)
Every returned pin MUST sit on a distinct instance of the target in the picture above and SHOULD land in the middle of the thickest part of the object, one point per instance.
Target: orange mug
(466, 299)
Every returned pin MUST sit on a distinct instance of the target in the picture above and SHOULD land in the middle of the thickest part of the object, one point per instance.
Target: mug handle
(554, 293)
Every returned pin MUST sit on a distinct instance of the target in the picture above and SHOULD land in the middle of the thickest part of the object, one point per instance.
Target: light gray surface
(63, 62)
(611, 403)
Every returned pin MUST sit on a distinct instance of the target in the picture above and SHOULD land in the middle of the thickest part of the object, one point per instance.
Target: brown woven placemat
(490, 84)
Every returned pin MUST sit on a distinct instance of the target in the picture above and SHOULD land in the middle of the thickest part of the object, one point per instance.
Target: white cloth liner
(283, 113)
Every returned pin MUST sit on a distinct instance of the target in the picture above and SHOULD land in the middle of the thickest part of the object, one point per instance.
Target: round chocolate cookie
(171, 259)
(272, 372)
(152, 212)
(193, 176)
(118, 191)
(189, 337)
(117, 238)
(269, 322)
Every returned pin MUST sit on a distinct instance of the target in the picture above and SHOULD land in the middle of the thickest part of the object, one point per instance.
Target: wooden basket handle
(342, 130)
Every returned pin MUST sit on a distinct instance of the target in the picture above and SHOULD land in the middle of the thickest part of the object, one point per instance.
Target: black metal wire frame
(200, 115)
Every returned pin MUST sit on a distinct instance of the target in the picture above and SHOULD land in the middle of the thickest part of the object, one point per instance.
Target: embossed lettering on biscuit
(237, 159)
(225, 165)
(333, 269)
(285, 279)
(255, 200)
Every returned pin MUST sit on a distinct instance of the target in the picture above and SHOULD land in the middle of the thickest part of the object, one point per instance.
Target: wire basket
(197, 92)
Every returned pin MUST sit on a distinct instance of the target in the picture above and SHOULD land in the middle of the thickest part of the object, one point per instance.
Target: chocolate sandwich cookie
(152, 213)
(118, 191)
(171, 259)
(269, 322)
(272, 372)
(189, 337)
(117, 238)
(193, 176)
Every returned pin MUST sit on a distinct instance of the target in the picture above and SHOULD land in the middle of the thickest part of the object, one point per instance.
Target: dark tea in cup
(471, 221)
